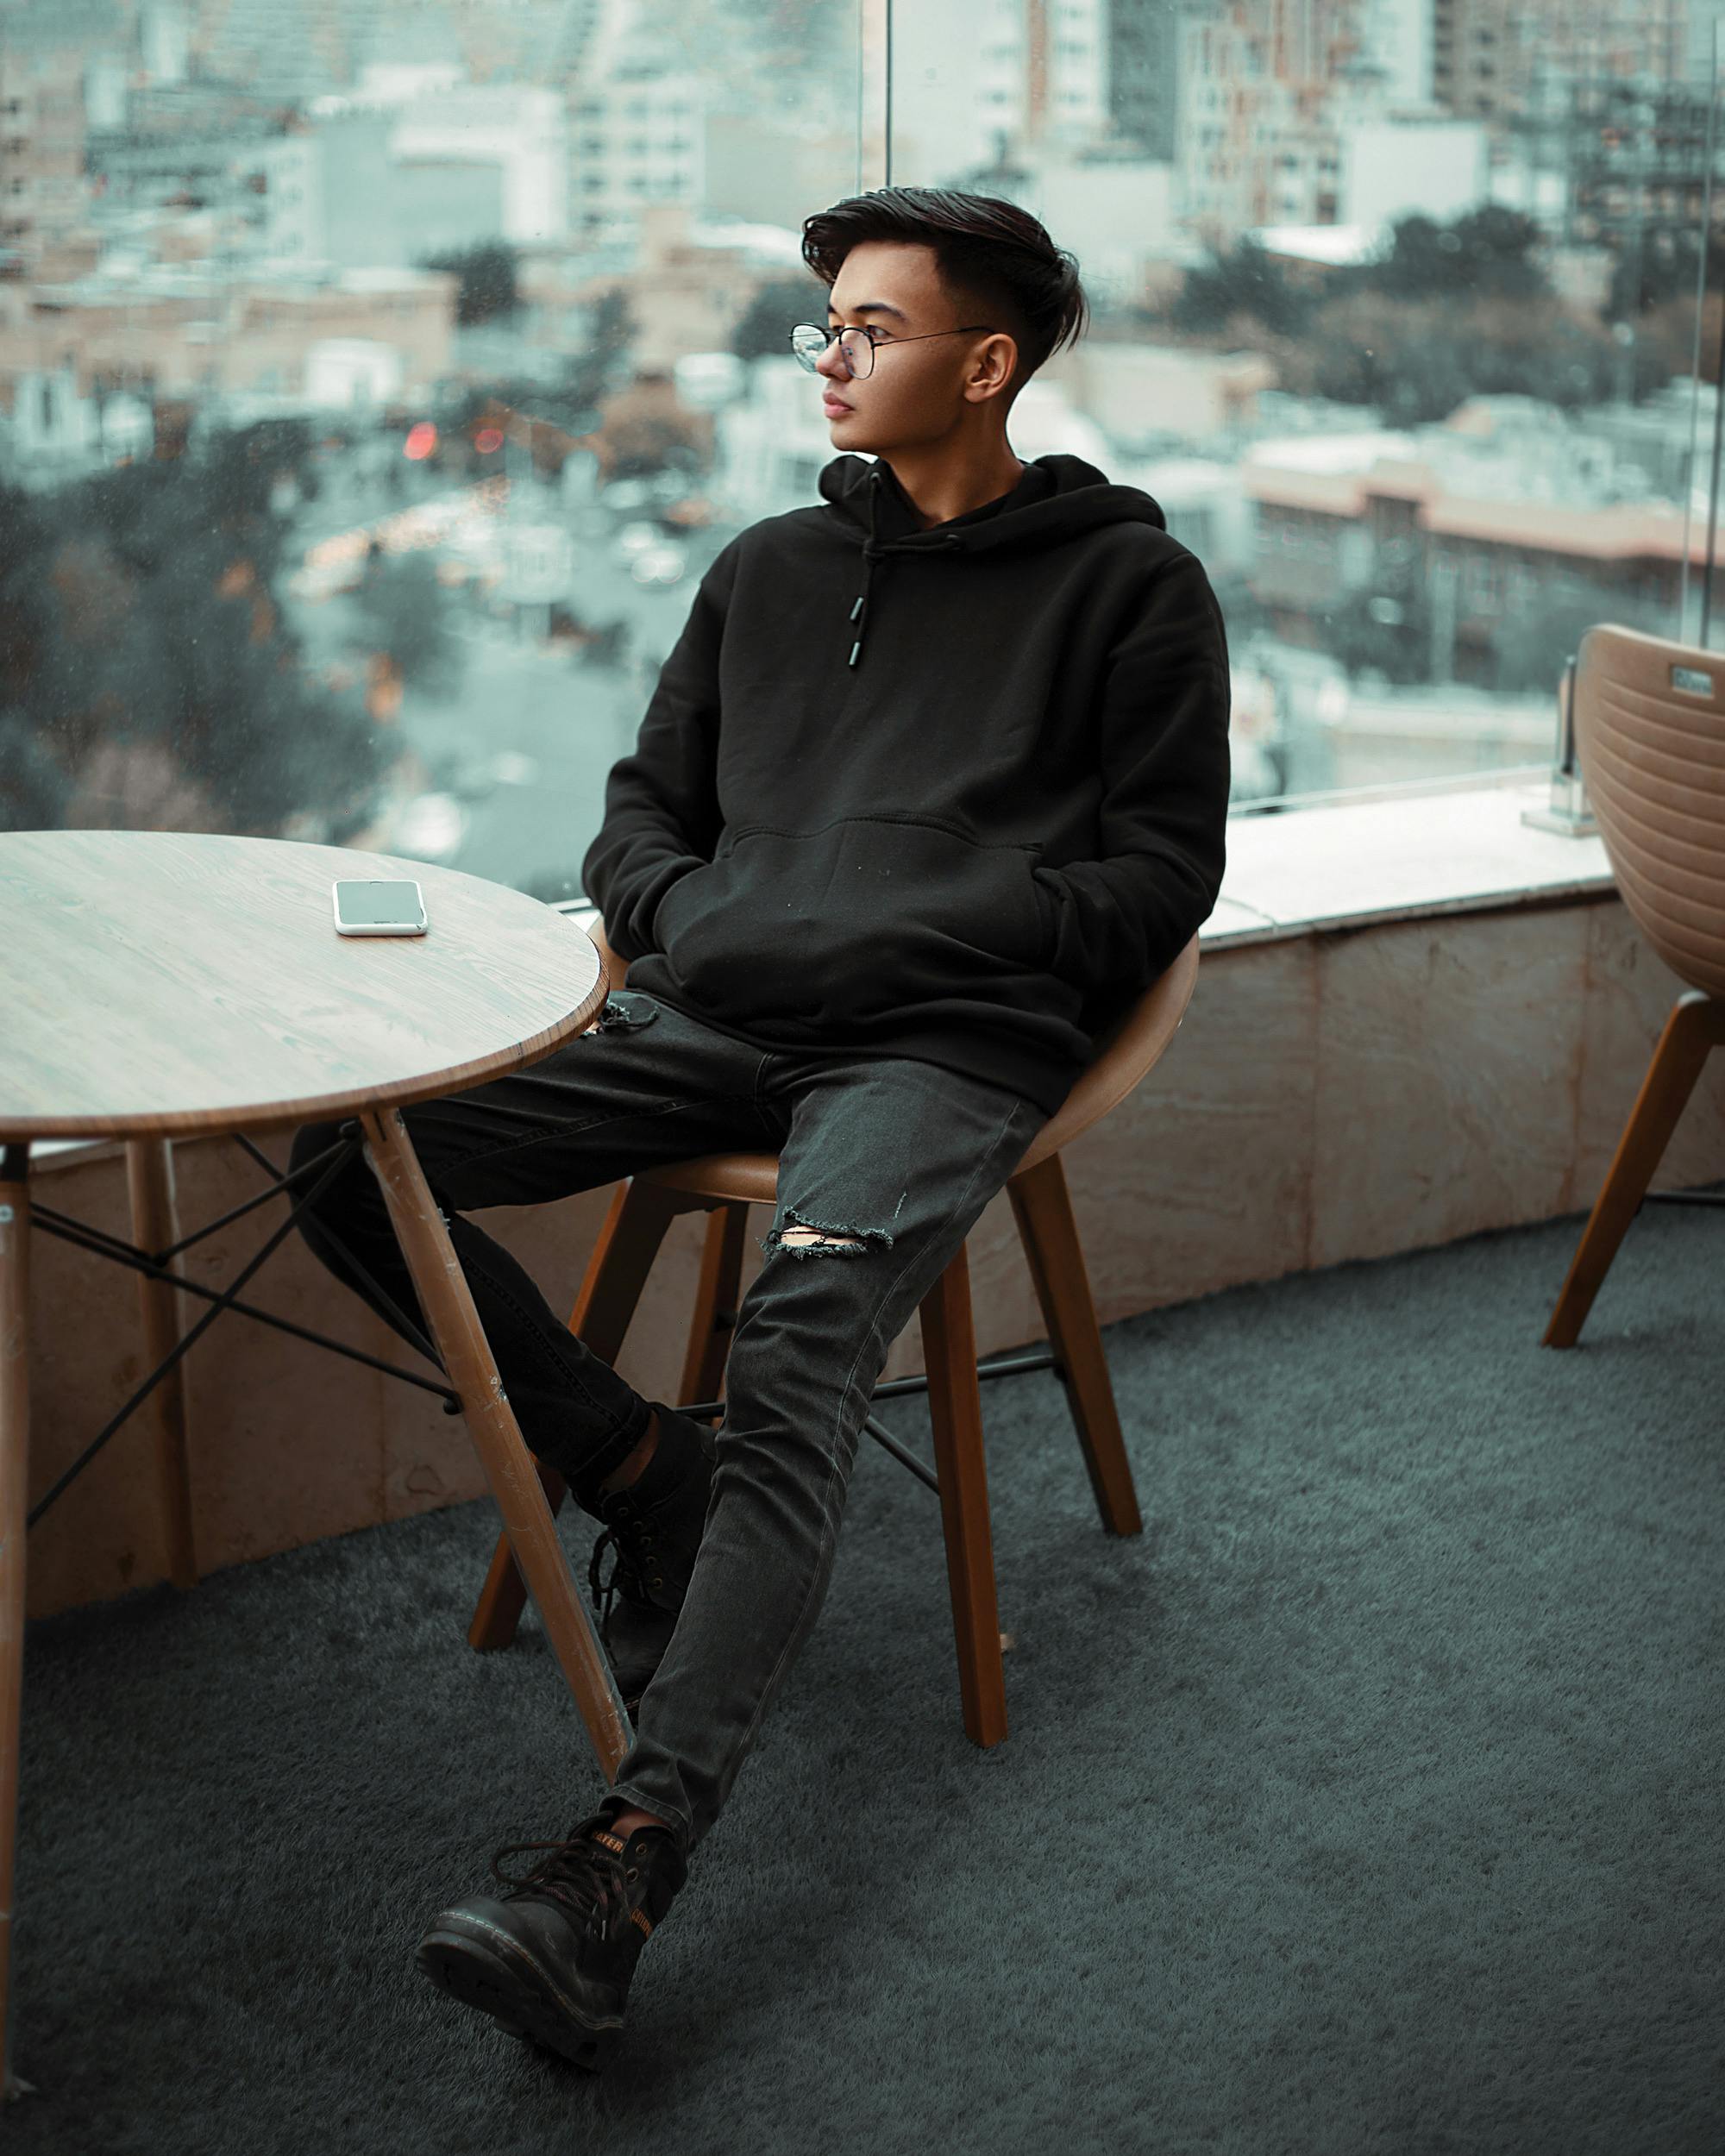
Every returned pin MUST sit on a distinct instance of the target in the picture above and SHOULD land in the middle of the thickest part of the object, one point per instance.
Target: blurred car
(469, 778)
(1254, 770)
(637, 538)
(431, 827)
(658, 565)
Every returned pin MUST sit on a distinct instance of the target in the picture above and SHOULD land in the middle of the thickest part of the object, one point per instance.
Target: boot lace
(629, 1539)
(586, 1880)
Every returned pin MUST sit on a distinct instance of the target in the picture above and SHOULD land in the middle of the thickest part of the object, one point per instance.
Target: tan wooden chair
(1650, 737)
(726, 1184)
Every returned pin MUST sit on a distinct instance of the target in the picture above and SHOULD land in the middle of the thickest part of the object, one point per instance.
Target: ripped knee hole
(804, 1238)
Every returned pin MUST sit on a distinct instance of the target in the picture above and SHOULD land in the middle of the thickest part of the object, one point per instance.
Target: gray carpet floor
(1369, 1801)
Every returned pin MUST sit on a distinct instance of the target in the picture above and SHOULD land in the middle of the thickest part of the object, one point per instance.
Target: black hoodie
(959, 800)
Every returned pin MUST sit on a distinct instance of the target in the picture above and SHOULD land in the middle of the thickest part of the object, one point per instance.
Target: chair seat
(1122, 1054)
(725, 1184)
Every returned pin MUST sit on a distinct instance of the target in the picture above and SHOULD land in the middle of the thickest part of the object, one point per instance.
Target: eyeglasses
(809, 340)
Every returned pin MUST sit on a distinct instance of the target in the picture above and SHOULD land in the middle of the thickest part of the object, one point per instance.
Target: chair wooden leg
(149, 1178)
(715, 1299)
(454, 1325)
(1695, 1026)
(1042, 1206)
(611, 1288)
(955, 1406)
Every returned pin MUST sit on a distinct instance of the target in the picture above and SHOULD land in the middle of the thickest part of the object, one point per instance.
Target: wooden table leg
(155, 1227)
(641, 1211)
(510, 1468)
(15, 1456)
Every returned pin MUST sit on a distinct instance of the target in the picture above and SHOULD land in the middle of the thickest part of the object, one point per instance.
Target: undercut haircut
(995, 262)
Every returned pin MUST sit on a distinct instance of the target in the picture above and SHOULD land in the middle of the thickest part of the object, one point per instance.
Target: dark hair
(994, 260)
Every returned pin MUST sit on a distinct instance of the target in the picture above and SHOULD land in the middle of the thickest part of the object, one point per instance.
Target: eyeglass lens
(855, 345)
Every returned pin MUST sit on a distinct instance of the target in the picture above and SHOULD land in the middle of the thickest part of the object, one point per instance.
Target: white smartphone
(380, 906)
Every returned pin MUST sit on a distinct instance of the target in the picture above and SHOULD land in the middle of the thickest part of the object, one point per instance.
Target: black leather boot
(552, 1957)
(654, 1526)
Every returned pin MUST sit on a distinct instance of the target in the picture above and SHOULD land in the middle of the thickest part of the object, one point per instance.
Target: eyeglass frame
(830, 331)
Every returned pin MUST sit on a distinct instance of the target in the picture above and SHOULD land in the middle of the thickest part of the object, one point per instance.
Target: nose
(831, 363)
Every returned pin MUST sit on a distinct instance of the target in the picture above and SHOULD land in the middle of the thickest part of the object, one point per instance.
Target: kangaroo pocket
(870, 917)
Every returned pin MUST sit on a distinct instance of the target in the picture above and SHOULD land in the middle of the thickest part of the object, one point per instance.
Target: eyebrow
(874, 307)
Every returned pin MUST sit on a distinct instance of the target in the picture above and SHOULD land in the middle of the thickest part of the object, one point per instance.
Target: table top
(173, 982)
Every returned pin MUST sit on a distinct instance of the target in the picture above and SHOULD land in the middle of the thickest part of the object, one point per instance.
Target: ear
(1005, 349)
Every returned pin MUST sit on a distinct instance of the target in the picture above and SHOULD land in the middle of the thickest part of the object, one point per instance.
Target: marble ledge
(1464, 850)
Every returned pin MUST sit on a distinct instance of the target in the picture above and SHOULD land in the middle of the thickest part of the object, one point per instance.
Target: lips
(834, 403)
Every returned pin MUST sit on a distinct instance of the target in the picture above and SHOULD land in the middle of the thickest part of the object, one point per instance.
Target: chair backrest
(1650, 738)
(1120, 1054)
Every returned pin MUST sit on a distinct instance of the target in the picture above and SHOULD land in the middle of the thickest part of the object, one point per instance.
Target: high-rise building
(294, 49)
(637, 136)
(43, 60)
(1265, 86)
(1490, 56)
(1144, 70)
(283, 50)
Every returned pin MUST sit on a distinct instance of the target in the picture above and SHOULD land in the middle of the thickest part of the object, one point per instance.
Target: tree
(405, 615)
(1362, 632)
(645, 430)
(763, 328)
(1451, 312)
(1669, 269)
(1246, 281)
(1485, 251)
(603, 363)
(572, 403)
(1533, 643)
(1413, 362)
(487, 274)
(33, 787)
(147, 676)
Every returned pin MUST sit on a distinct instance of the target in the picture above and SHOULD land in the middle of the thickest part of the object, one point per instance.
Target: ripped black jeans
(897, 1158)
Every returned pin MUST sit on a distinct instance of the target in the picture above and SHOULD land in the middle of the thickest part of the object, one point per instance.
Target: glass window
(386, 599)
(362, 441)
(1484, 358)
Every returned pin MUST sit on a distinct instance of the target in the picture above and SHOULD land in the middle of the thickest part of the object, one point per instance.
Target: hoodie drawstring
(869, 555)
(873, 551)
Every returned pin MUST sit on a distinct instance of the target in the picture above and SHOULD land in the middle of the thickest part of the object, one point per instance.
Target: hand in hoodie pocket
(865, 917)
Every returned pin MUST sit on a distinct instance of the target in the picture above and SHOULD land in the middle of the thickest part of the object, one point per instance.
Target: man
(933, 783)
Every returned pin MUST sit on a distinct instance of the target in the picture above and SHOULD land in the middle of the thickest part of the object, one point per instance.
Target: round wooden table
(164, 984)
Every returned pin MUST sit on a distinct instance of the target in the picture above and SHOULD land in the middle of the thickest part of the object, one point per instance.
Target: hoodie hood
(1056, 498)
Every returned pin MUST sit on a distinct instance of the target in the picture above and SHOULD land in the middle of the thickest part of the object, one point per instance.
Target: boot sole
(488, 1969)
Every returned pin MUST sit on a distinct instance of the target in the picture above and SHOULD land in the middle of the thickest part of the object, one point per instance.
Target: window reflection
(379, 383)
(1395, 316)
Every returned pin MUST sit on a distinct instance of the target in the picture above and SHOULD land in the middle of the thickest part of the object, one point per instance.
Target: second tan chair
(1650, 738)
(724, 1185)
